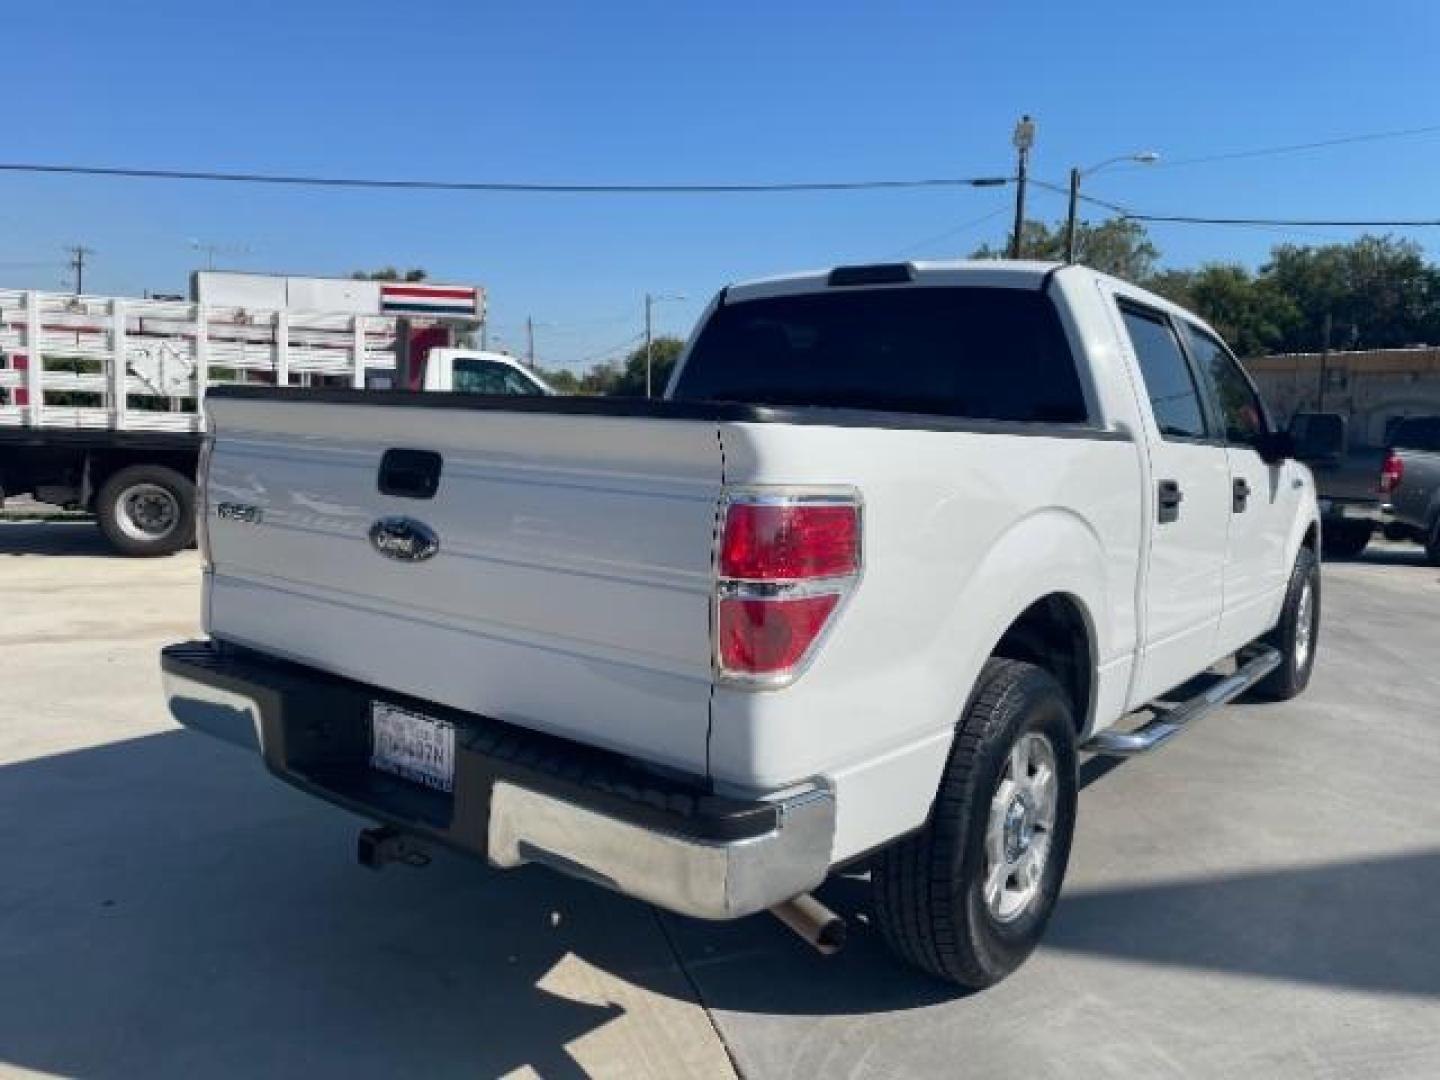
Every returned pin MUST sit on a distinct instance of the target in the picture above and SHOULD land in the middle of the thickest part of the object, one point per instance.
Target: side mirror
(1319, 438)
(1275, 447)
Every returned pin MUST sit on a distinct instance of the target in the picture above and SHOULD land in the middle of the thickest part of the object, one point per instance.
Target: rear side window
(1171, 387)
(979, 353)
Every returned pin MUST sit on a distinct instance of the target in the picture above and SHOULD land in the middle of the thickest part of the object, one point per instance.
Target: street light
(650, 302)
(1144, 157)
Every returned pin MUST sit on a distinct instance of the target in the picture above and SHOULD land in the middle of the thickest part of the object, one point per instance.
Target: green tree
(562, 379)
(389, 273)
(1117, 246)
(629, 381)
(1376, 291)
(1249, 312)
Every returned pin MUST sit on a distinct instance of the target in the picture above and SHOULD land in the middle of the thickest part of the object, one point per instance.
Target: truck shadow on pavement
(166, 908)
(1387, 555)
(73, 537)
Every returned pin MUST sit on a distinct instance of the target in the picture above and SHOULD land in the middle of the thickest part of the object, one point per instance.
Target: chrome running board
(1169, 723)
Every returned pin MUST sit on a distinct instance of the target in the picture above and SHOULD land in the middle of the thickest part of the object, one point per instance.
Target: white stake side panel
(61, 357)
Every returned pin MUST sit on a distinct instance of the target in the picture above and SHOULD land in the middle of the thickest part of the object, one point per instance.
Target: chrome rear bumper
(518, 797)
(707, 880)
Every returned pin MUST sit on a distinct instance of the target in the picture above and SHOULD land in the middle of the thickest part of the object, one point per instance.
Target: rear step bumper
(1166, 725)
(518, 796)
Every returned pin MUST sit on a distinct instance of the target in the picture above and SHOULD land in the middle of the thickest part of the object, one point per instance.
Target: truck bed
(572, 588)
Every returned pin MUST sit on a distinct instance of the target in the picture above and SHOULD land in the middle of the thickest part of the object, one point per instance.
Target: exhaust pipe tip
(815, 923)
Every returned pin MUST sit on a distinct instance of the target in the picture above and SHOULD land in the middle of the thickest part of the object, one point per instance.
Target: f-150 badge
(404, 539)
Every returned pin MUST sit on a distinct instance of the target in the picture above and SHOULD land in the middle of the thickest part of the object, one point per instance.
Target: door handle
(1241, 495)
(1168, 500)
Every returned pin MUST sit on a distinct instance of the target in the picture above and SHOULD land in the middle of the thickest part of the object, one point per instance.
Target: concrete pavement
(167, 909)
(1257, 900)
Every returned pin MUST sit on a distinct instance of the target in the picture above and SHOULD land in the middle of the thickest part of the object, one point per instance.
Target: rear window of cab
(980, 353)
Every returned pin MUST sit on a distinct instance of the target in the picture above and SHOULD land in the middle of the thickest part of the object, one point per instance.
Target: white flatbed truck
(102, 398)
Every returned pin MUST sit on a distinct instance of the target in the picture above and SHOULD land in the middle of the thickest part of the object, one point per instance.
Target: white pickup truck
(900, 543)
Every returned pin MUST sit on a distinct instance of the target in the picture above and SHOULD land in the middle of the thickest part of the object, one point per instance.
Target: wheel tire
(929, 888)
(147, 510)
(1347, 540)
(1297, 658)
(1432, 544)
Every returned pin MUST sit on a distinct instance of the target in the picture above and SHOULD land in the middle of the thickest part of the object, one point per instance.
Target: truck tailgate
(570, 589)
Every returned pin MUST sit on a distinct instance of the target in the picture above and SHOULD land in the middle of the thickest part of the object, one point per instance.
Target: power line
(1059, 189)
(948, 233)
(502, 186)
(606, 352)
(1185, 219)
(1292, 148)
(1130, 214)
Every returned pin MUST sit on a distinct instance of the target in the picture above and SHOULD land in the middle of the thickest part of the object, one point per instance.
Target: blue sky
(619, 92)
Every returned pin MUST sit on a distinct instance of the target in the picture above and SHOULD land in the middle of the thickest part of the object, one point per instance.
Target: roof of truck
(994, 273)
(1016, 274)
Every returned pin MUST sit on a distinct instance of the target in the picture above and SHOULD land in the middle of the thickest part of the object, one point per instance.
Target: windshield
(983, 353)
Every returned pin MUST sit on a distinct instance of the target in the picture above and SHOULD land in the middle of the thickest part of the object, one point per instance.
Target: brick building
(1373, 388)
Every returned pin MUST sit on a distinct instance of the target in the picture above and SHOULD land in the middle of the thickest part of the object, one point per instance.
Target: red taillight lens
(785, 564)
(1391, 473)
(789, 541)
(763, 637)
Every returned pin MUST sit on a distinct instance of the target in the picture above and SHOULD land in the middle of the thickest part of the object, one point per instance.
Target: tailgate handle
(410, 474)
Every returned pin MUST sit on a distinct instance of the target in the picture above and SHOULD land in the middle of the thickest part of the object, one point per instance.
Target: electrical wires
(488, 186)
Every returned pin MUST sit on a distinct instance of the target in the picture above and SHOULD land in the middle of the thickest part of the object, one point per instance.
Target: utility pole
(1023, 140)
(78, 255)
(650, 302)
(1324, 365)
(484, 335)
(530, 340)
(1073, 216)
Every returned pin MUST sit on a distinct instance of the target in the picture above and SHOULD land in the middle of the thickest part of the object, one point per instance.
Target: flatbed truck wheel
(147, 510)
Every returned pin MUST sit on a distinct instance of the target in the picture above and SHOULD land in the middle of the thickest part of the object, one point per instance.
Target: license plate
(419, 748)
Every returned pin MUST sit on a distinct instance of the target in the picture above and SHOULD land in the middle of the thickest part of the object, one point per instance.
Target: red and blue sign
(462, 301)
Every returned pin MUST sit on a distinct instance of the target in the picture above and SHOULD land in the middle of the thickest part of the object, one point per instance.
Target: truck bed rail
(107, 363)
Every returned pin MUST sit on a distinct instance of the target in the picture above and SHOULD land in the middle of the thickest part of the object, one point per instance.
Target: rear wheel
(1297, 633)
(968, 897)
(147, 510)
(1347, 539)
(1432, 544)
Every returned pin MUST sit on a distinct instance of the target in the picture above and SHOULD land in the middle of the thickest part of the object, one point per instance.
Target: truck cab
(472, 371)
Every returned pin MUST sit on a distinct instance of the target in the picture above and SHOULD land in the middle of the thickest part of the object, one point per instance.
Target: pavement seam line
(695, 989)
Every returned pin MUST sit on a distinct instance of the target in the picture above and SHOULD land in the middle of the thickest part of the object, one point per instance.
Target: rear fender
(1051, 552)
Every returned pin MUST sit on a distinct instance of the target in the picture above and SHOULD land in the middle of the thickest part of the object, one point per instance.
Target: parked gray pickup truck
(1410, 479)
(1350, 503)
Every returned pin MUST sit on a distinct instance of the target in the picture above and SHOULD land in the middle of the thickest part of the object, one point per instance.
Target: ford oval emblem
(404, 539)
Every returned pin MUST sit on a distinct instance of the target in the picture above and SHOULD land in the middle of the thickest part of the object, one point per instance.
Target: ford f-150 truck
(901, 542)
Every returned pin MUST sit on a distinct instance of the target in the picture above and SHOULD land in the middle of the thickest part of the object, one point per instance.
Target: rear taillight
(1391, 473)
(786, 561)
